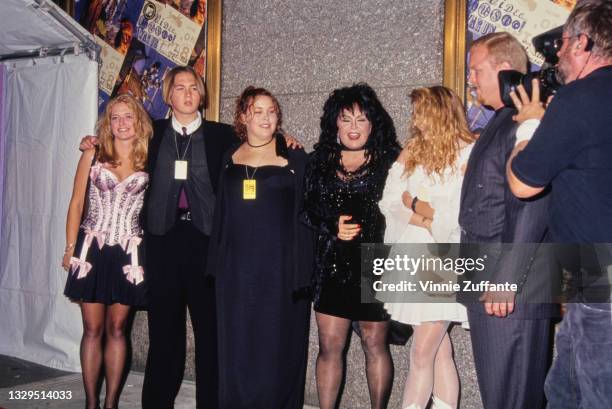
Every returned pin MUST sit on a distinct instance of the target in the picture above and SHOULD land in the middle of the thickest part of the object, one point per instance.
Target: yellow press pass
(249, 189)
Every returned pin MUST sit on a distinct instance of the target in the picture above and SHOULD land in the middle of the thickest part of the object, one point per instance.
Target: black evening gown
(263, 332)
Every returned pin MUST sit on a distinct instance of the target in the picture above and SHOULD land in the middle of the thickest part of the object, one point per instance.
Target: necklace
(361, 165)
(259, 146)
(349, 175)
(178, 155)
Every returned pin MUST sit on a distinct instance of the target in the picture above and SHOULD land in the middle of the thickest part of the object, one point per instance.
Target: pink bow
(134, 274)
(129, 245)
(100, 238)
(81, 266)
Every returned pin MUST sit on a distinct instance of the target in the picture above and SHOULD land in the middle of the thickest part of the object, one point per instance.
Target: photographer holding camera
(571, 150)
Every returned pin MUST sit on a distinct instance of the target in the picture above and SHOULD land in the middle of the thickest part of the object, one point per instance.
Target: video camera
(547, 44)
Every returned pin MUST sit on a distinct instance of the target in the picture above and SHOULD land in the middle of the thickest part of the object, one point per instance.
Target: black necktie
(182, 144)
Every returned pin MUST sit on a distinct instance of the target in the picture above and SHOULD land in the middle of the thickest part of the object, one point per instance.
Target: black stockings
(333, 333)
(98, 318)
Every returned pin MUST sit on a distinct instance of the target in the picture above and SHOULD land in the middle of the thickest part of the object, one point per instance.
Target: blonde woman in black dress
(105, 273)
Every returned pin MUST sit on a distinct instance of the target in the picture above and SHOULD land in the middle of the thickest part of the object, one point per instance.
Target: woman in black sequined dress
(344, 181)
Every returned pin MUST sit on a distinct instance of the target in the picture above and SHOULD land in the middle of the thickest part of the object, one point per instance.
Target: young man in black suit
(183, 164)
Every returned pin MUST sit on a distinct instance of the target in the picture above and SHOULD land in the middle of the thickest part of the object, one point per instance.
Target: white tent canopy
(48, 100)
(38, 27)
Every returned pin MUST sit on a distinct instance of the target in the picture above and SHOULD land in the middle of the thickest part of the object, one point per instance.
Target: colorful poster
(142, 77)
(522, 18)
(167, 31)
(113, 21)
(111, 62)
(141, 40)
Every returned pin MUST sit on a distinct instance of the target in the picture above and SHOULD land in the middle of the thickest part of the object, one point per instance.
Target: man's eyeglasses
(558, 42)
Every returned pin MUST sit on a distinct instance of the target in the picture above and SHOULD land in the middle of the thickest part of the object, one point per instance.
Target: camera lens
(548, 80)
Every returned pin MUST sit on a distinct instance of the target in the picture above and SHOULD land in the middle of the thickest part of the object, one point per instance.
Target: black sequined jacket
(330, 192)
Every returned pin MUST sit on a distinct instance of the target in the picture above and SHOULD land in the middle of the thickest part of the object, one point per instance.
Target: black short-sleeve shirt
(572, 151)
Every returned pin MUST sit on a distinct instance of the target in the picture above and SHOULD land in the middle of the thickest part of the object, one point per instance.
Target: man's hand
(528, 108)
(88, 142)
(291, 141)
(498, 303)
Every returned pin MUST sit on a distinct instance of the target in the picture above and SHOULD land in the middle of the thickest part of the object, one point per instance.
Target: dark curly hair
(244, 104)
(382, 141)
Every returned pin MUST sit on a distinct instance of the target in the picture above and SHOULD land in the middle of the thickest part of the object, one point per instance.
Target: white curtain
(2, 135)
(51, 104)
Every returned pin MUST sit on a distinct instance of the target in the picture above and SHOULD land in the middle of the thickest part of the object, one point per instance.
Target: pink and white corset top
(114, 206)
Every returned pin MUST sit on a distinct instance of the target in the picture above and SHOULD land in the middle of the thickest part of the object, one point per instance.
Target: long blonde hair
(438, 124)
(142, 125)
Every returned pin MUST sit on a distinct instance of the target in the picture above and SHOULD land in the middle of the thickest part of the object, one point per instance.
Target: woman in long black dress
(261, 257)
(344, 182)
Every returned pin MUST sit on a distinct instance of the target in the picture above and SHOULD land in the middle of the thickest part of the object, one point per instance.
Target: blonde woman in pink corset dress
(105, 275)
(429, 168)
